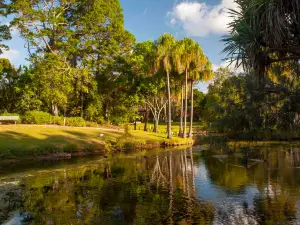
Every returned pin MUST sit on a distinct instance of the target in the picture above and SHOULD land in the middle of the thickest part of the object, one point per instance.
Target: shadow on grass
(17, 145)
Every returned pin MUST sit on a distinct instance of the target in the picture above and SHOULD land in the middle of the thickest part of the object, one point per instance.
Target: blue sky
(205, 21)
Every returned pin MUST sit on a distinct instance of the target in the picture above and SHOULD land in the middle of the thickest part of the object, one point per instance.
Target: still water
(199, 185)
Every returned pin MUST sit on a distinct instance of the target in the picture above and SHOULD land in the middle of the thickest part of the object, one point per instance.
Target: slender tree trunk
(165, 114)
(81, 112)
(181, 112)
(54, 109)
(169, 107)
(192, 110)
(146, 118)
(155, 125)
(186, 104)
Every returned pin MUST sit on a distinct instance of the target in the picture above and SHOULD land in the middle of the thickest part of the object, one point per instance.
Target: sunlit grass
(27, 137)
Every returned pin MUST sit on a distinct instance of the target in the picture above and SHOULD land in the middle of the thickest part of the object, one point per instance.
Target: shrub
(75, 122)
(58, 120)
(101, 120)
(129, 143)
(36, 117)
(91, 124)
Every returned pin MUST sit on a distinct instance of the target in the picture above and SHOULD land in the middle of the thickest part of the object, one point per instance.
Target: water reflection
(190, 186)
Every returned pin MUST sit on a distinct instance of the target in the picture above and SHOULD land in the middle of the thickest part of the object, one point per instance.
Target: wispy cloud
(145, 11)
(11, 54)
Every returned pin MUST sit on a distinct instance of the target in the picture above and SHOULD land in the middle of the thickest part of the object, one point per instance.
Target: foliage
(75, 122)
(236, 106)
(91, 124)
(264, 33)
(36, 117)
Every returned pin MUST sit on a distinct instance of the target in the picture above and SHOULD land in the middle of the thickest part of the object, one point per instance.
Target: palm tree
(201, 71)
(263, 33)
(187, 56)
(178, 66)
(165, 45)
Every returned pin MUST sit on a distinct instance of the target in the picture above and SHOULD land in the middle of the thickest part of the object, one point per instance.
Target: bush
(129, 143)
(91, 124)
(36, 117)
(101, 120)
(58, 120)
(75, 122)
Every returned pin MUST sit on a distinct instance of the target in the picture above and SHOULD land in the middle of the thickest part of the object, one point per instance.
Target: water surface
(199, 185)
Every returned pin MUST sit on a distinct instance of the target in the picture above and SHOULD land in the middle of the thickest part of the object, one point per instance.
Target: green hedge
(36, 117)
(75, 122)
(58, 120)
(39, 117)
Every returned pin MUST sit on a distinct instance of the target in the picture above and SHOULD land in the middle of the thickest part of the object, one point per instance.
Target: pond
(199, 185)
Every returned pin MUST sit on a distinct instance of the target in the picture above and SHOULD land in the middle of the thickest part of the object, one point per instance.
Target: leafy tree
(4, 29)
(199, 103)
(55, 81)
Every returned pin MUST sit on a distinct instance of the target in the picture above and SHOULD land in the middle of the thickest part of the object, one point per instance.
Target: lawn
(23, 140)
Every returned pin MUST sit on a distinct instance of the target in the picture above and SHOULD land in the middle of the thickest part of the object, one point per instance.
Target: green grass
(29, 140)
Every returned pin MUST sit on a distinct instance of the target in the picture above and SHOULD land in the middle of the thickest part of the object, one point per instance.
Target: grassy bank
(17, 141)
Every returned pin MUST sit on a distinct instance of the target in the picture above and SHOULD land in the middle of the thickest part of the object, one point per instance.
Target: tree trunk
(181, 112)
(186, 104)
(155, 130)
(192, 110)
(169, 107)
(54, 109)
(146, 118)
(165, 115)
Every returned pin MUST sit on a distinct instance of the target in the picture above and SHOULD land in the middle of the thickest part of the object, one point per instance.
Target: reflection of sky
(204, 188)
(229, 206)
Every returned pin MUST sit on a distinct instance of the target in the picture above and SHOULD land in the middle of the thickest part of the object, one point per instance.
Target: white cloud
(231, 66)
(201, 19)
(11, 54)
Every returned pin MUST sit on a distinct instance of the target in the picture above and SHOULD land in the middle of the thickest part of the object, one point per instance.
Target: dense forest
(84, 64)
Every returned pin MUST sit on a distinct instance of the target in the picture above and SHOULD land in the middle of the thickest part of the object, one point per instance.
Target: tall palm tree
(178, 66)
(187, 54)
(165, 45)
(201, 71)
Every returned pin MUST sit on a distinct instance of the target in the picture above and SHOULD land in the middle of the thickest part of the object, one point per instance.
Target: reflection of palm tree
(193, 173)
(107, 173)
(183, 171)
(171, 188)
(189, 208)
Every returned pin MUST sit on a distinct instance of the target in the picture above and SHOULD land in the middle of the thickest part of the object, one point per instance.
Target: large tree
(165, 45)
